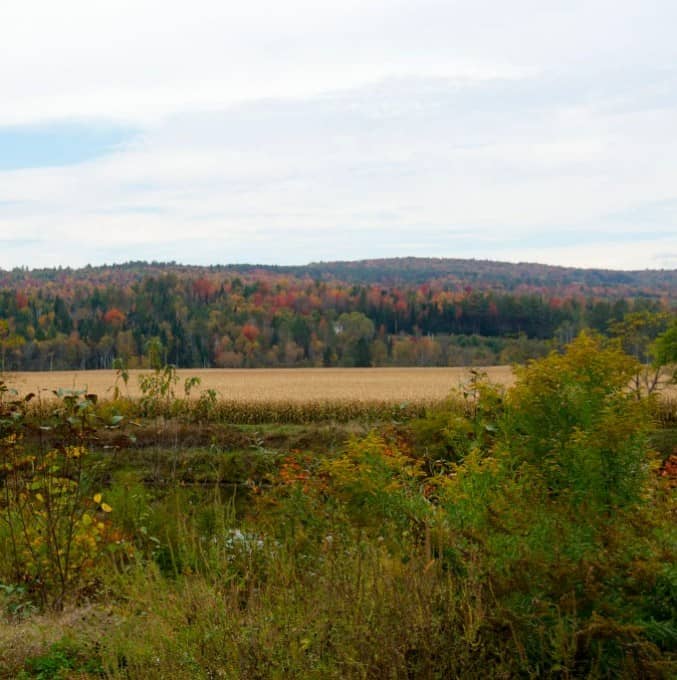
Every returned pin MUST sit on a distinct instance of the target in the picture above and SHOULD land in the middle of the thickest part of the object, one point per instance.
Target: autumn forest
(400, 312)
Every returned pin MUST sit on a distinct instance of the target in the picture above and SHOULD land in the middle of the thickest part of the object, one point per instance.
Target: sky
(291, 131)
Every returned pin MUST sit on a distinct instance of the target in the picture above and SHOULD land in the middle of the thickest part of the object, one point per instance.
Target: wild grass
(527, 532)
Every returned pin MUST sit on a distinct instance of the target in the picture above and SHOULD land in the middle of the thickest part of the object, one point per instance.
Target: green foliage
(155, 352)
(54, 530)
(571, 416)
(159, 393)
(190, 383)
(157, 389)
(664, 348)
(121, 373)
(638, 332)
(16, 601)
(63, 659)
(467, 421)
(206, 406)
(560, 517)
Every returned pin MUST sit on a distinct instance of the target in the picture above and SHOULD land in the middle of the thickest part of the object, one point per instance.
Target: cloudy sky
(290, 131)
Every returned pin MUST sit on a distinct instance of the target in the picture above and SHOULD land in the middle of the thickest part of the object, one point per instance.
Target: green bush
(562, 520)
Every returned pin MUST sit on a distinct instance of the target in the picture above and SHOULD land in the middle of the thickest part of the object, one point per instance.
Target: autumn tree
(636, 333)
(355, 331)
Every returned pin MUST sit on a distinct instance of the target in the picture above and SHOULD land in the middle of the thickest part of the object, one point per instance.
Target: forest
(401, 312)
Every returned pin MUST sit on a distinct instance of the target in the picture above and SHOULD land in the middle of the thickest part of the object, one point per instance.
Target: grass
(276, 583)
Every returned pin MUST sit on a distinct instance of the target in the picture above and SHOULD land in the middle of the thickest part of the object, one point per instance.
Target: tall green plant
(54, 527)
(572, 417)
(561, 519)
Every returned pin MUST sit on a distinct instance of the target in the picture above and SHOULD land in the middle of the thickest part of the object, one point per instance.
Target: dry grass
(26, 639)
(299, 385)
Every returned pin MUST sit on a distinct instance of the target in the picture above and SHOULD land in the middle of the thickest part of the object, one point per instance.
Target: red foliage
(203, 288)
(250, 331)
(669, 470)
(21, 300)
(114, 317)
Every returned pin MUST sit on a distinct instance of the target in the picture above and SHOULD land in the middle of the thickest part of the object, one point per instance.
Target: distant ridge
(488, 274)
(396, 312)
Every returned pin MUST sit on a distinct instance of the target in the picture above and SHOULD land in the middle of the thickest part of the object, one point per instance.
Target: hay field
(298, 385)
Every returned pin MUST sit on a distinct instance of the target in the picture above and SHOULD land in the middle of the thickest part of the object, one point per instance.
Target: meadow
(305, 524)
(298, 385)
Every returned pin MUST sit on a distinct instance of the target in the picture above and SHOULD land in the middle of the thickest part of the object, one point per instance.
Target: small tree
(664, 349)
(570, 416)
(54, 527)
(636, 332)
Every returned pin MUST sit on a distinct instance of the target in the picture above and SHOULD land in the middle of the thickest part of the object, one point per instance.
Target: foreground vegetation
(526, 531)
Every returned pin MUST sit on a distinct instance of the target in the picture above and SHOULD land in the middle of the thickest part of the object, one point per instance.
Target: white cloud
(653, 254)
(311, 130)
(143, 59)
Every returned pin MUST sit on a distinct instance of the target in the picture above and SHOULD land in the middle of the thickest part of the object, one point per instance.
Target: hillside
(484, 274)
(391, 312)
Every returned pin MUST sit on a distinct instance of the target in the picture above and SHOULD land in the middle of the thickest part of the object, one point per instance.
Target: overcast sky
(291, 131)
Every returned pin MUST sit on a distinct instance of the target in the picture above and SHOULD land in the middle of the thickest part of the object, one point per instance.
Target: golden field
(297, 385)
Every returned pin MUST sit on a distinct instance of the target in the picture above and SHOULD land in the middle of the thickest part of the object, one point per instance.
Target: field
(289, 385)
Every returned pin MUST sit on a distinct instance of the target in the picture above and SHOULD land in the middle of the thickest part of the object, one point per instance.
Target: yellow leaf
(97, 498)
(40, 497)
(106, 508)
(86, 520)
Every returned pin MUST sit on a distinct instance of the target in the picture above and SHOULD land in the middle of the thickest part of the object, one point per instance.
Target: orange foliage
(250, 331)
(114, 317)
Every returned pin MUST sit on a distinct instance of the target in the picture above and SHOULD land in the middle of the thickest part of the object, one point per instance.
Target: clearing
(297, 385)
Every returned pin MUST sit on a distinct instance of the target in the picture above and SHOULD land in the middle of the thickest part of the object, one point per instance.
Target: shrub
(561, 520)
(54, 527)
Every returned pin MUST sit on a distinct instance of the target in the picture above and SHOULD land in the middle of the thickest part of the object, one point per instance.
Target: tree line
(217, 317)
